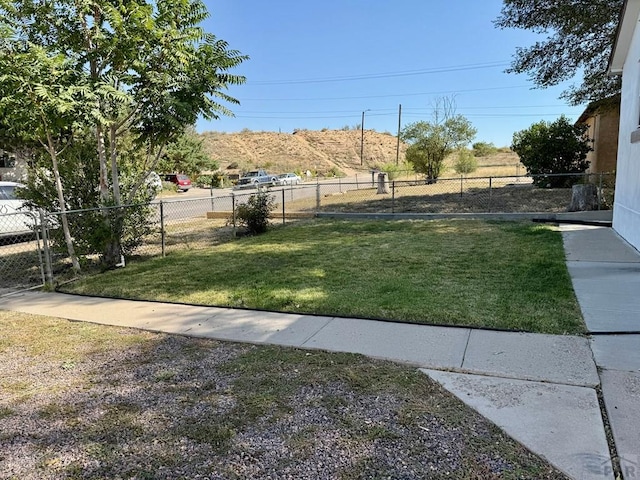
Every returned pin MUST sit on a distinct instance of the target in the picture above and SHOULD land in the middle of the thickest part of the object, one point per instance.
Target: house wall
(603, 129)
(607, 132)
(626, 211)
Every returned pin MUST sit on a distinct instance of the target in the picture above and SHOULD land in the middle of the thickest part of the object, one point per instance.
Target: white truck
(255, 178)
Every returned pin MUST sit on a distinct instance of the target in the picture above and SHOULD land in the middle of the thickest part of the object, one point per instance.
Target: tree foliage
(465, 162)
(431, 142)
(254, 215)
(144, 69)
(77, 166)
(483, 149)
(553, 148)
(187, 155)
(580, 36)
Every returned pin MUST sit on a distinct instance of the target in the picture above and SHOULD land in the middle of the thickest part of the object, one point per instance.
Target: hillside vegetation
(325, 152)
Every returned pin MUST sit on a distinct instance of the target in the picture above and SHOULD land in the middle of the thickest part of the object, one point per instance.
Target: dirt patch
(118, 403)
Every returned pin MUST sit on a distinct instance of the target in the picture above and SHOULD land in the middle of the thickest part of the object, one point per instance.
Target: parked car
(256, 178)
(15, 219)
(289, 179)
(182, 182)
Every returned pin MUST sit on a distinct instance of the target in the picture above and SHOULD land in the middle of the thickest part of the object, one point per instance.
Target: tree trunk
(115, 180)
(63, 207)
(383, 183)
(111, 252)
(583, 198)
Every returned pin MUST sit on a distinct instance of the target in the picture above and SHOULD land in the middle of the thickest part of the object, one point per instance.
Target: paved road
(197, 202)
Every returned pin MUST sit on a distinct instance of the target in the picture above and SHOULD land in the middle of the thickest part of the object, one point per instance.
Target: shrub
(334, 172)
(483, 149)
(548, 148)
(465, 162)
(169, 186)
(203, 180)
(254, 215)
(391, 169)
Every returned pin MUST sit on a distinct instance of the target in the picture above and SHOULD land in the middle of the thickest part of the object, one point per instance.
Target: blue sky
(320, 64)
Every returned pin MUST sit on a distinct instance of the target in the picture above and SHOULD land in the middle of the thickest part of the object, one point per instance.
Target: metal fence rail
(163, 227)
(509, 194)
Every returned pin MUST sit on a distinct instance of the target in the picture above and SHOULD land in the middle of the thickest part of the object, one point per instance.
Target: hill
(318, 151)
(327, 152)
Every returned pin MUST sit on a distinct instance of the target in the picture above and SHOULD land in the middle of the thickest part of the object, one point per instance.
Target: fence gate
(21, 261)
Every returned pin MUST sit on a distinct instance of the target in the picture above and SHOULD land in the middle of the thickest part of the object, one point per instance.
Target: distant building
(624, 61)
(603, 119)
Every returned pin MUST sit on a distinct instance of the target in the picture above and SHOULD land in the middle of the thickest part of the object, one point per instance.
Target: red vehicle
(182, 182)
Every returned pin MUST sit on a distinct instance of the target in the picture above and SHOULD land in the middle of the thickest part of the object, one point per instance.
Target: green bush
(169, 186)
(254, 215)
(391, 169)
(465, 162)
(484, 149)
(204, 181)
(550, 148)
(334, 172)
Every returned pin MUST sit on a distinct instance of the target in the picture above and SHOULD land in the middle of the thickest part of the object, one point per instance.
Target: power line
(392, 110)
(449, 92)
(411, 115)
(455, 68)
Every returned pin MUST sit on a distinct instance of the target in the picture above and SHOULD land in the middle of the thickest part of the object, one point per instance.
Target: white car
(289, 179)
(14, 218)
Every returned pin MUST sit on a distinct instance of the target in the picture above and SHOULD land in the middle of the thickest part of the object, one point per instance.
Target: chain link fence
(21, 262)
(509, 194)
(33, 248)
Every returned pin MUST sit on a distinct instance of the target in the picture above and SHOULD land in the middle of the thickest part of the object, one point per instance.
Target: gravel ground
(123, 404)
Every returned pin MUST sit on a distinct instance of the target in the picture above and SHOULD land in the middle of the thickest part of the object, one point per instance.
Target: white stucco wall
(626, 210)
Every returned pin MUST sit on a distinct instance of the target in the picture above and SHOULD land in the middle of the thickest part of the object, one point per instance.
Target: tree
(431, 142)
(187, 155)
(143, 68)
(38, 105)
(77, 165)
(580, 39)
(552, 148)
(465, 162)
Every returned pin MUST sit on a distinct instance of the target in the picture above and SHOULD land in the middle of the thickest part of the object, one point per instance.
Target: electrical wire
(455, 68)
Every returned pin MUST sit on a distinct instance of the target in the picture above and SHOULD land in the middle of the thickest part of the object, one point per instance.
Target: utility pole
(362, 140)
(399, 122)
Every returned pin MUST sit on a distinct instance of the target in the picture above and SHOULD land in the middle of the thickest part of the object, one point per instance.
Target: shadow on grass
(506, 199)
(471, 273)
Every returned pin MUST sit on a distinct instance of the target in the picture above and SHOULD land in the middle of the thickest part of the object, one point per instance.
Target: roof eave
(624, 35)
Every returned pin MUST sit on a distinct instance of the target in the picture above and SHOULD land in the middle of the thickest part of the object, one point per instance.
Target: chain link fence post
(317, 197)
(233, 212)
(393, 196)
(600, 192)
(46, 251)
(163, 238)
(283, 209)
(490, 192)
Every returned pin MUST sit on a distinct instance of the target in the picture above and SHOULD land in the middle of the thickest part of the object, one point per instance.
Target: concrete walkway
(541, 389)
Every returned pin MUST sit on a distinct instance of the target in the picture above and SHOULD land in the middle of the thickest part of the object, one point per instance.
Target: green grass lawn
(456, 272)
